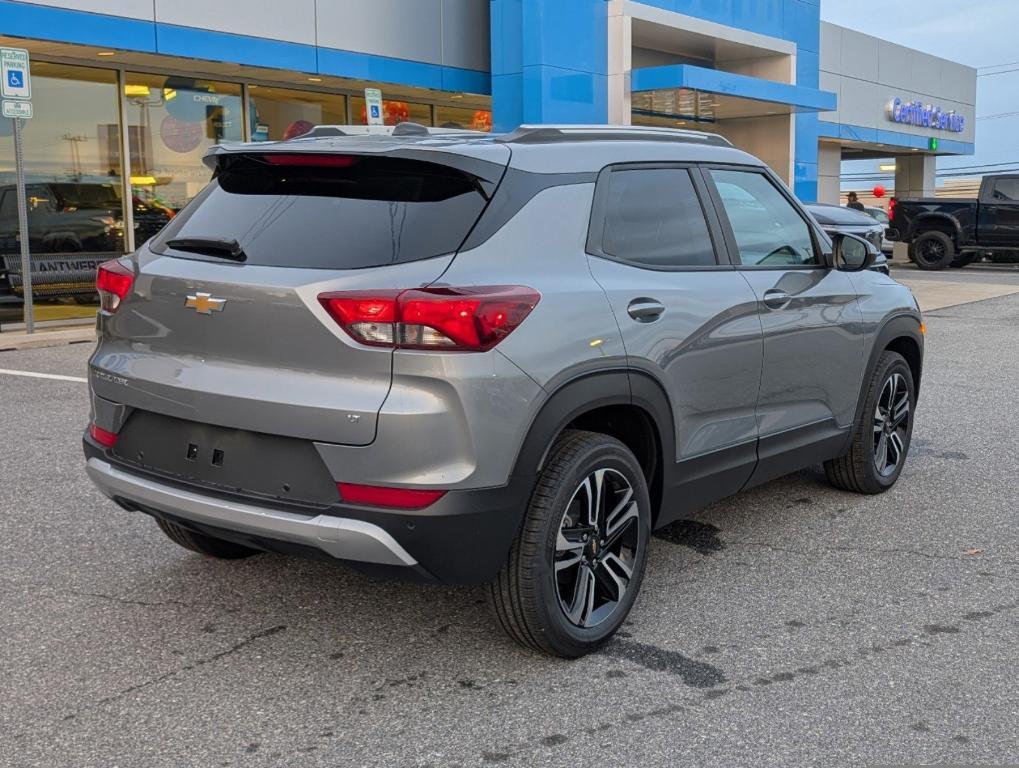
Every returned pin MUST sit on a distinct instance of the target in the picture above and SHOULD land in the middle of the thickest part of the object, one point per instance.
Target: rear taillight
(395, 498)
(113, 281)
(470, 319)
(101, 436)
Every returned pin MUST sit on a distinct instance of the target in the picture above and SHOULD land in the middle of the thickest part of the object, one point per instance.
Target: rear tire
(932, 250)
(576, 567)
(202, 544)
(881, 433)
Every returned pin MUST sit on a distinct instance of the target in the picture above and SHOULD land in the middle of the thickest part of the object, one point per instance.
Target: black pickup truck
(72, 227)
(952, 231)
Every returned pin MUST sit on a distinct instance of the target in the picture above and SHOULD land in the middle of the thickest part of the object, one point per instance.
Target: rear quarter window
(348, 212)
(652, 217)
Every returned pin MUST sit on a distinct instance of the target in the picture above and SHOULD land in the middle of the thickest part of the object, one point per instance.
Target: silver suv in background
(491, 358)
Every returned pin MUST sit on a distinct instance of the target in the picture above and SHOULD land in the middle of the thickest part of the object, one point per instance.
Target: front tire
(202, 544)
(881, 434)
(576, 567)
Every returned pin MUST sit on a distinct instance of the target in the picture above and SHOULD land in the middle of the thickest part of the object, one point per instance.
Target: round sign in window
(179, 136)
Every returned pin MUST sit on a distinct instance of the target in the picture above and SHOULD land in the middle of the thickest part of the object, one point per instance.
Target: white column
(914, 175)
(829, 172)
(620, 55)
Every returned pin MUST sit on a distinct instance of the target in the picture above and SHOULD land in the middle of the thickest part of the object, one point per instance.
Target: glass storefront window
(463, 117)
(74, 191)
(279, 113)
(171, 122)
(394, 112)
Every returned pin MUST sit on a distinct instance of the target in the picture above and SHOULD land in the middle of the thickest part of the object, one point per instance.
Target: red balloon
(879, 191)
(482, 120)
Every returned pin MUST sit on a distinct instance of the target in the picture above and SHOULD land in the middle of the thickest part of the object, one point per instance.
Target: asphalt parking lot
(793, 625)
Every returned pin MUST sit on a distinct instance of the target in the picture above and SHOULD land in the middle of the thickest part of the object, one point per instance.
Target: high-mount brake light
(461, 319)
(113, 282)
(315, 159)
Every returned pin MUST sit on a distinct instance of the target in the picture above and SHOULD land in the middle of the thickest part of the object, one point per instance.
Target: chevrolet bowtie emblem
(204, 303)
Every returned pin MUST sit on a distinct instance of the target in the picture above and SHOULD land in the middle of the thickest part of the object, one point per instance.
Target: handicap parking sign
(373, 100)
(16, 82)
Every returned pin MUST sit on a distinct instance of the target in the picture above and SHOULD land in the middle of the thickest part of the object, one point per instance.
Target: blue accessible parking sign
(16, 83)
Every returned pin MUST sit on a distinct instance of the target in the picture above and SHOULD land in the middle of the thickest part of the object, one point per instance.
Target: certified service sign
(925, 116)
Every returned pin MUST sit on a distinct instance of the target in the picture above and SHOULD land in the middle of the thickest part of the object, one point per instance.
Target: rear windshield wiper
(221, 248)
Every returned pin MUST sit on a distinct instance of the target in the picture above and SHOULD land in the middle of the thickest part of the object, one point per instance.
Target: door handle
(645, 310)
(776, 298)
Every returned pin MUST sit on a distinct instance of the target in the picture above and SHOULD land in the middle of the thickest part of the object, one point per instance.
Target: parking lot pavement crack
(891, 551)
(126, 601)
(198, 663)
(716, 686)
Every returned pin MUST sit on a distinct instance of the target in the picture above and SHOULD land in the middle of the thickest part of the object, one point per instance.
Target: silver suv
(491, 358)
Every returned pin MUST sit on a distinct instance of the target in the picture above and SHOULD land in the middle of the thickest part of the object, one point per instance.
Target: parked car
(943, 231)
(880, 215)
(491, 358)
(72, 228)
(837, 219)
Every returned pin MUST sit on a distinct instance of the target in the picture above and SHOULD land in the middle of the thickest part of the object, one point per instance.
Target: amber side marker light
(923, 329)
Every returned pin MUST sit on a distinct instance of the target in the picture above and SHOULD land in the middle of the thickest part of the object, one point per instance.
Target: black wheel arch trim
(917, 228)
(587, 392)
(903, 325)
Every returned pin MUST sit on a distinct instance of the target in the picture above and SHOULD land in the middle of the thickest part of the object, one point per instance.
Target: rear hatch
(222, 325)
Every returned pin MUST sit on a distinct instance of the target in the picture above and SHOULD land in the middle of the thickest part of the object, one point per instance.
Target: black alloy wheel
(596, 548)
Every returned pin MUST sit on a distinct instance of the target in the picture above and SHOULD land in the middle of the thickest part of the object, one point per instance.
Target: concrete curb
(53, 338)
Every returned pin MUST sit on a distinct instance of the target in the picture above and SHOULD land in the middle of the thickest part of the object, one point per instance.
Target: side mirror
(852, 253)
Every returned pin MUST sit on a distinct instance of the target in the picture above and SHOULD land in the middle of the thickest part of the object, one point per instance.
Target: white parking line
(34, 375)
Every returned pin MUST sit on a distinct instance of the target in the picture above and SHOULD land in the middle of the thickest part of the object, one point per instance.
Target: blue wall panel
(41, 22)
(559, 50)
(84, 28)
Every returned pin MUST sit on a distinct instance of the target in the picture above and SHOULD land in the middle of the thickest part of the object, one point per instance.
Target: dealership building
(129, 94)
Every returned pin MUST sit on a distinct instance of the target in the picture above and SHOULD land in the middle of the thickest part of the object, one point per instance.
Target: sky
(978, 33)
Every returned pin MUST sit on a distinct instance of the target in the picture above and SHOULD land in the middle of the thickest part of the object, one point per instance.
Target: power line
(997, 116)
(1004, 64)
(962, 169)
(985, 167)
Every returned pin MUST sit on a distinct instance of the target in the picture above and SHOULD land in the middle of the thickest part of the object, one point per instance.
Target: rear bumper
(462, 538)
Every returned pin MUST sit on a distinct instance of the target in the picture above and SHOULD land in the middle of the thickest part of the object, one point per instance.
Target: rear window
(89, 196)
(344, 212)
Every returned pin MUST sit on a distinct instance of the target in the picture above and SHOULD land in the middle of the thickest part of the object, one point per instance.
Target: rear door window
(652, 217)
(331, 211)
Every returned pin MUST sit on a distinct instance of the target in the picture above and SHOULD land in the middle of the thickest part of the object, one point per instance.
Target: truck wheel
(576, 567)
(202, 544)
(933, 250)
(881, 434)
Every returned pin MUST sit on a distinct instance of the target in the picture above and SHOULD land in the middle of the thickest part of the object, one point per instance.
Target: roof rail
(400, 129)
(540, 134)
